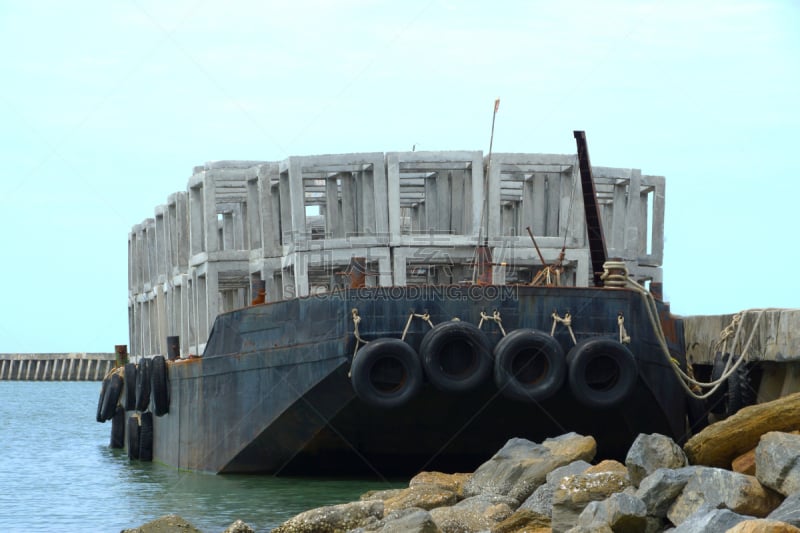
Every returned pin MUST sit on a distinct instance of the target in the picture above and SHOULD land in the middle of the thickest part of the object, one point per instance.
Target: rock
(788, 511)
(451, 482)
(778, 462)
(716, 487)
(405, 521)
(718, 444)
(521, 465)
(524, 520)
(709, 520)
(621, 512)
(165, 524)
(382, 494)
(239, 527)
(333, 518)
(659, 489)
(575, 492)
(763, 525)
(477, 513)
(745, 463)
(541, 501)
(648, 453)
(422, 496)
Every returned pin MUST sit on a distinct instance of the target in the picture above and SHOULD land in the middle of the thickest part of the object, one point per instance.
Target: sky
(106, 106)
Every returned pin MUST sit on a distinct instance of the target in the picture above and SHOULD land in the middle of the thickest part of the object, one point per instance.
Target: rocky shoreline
(738, 475)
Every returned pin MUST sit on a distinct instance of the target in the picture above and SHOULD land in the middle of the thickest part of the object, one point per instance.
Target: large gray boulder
(477, 513)
(621, 512)
(648, 453)
(710, 520)
(409, 520)
(659, 490)
(333, 518)
(778, 462)
(541, 501)
(788, 511)
(575, 492)
(717, 488)
(521, 465)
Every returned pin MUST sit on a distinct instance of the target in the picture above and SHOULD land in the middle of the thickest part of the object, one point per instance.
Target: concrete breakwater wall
(55, 366)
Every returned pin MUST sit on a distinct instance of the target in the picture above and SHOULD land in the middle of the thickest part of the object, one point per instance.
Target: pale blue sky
(105, 107)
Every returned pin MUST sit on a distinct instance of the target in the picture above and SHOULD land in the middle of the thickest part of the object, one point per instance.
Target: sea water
(57, 473)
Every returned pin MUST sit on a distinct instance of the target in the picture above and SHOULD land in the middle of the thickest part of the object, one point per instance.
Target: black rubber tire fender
(602, 372)
(159, 386)
(740, 392)
(456, 356)
(118, 429)
(386, 373)
(143, 385)
(103, 389)
(111, 397)
(146, 437)
(717, 402)
(529, 365)
(133, 437)
(129, 373)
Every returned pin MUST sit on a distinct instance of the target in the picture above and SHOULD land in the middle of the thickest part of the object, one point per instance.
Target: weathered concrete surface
(720, 443)
(777, 337)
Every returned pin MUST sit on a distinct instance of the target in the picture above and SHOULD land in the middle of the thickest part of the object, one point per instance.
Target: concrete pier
(296, 227)
(55, 366)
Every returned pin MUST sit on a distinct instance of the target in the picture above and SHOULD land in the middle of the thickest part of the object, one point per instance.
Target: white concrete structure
(298, 226)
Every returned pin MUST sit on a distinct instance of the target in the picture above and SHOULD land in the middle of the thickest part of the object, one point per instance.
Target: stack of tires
(135, 389)
(527, 365)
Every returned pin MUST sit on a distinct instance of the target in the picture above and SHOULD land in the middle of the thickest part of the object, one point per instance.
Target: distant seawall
(55, 366)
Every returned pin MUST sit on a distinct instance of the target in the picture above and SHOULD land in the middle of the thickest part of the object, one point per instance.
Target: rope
(426, 317)
(624, 338)
(686, 380)
(495, 317)
(567, 321)
(356, 321)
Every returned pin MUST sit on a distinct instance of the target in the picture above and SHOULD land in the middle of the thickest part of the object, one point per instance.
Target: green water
(57, 473)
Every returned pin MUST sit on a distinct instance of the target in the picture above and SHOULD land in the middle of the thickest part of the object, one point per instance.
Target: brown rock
(745, 463)
(451, 482)
(333, 518)
(609, 465)
(422, 495)
(575, 492)
(524, 521)
(718, 444)
(763, 526)
(239, 527)
(165, 524)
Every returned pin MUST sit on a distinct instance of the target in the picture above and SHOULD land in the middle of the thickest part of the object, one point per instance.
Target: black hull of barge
(272, 394)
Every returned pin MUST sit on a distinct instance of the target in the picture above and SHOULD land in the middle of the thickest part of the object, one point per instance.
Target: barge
(386, 314)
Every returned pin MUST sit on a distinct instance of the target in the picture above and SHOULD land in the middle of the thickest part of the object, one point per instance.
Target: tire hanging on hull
(133, 437)
(111, 397)
(130, 386)
(159, 388)
(602, 372)
(529, 365)
(386, 373)
(146, 437)
(118, 429)
(456, 356)
(143, 385)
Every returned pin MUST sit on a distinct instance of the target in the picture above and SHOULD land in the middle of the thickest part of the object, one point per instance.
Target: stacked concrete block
(314, 224)
(435, 201)
(541, 192)
(632, 213)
